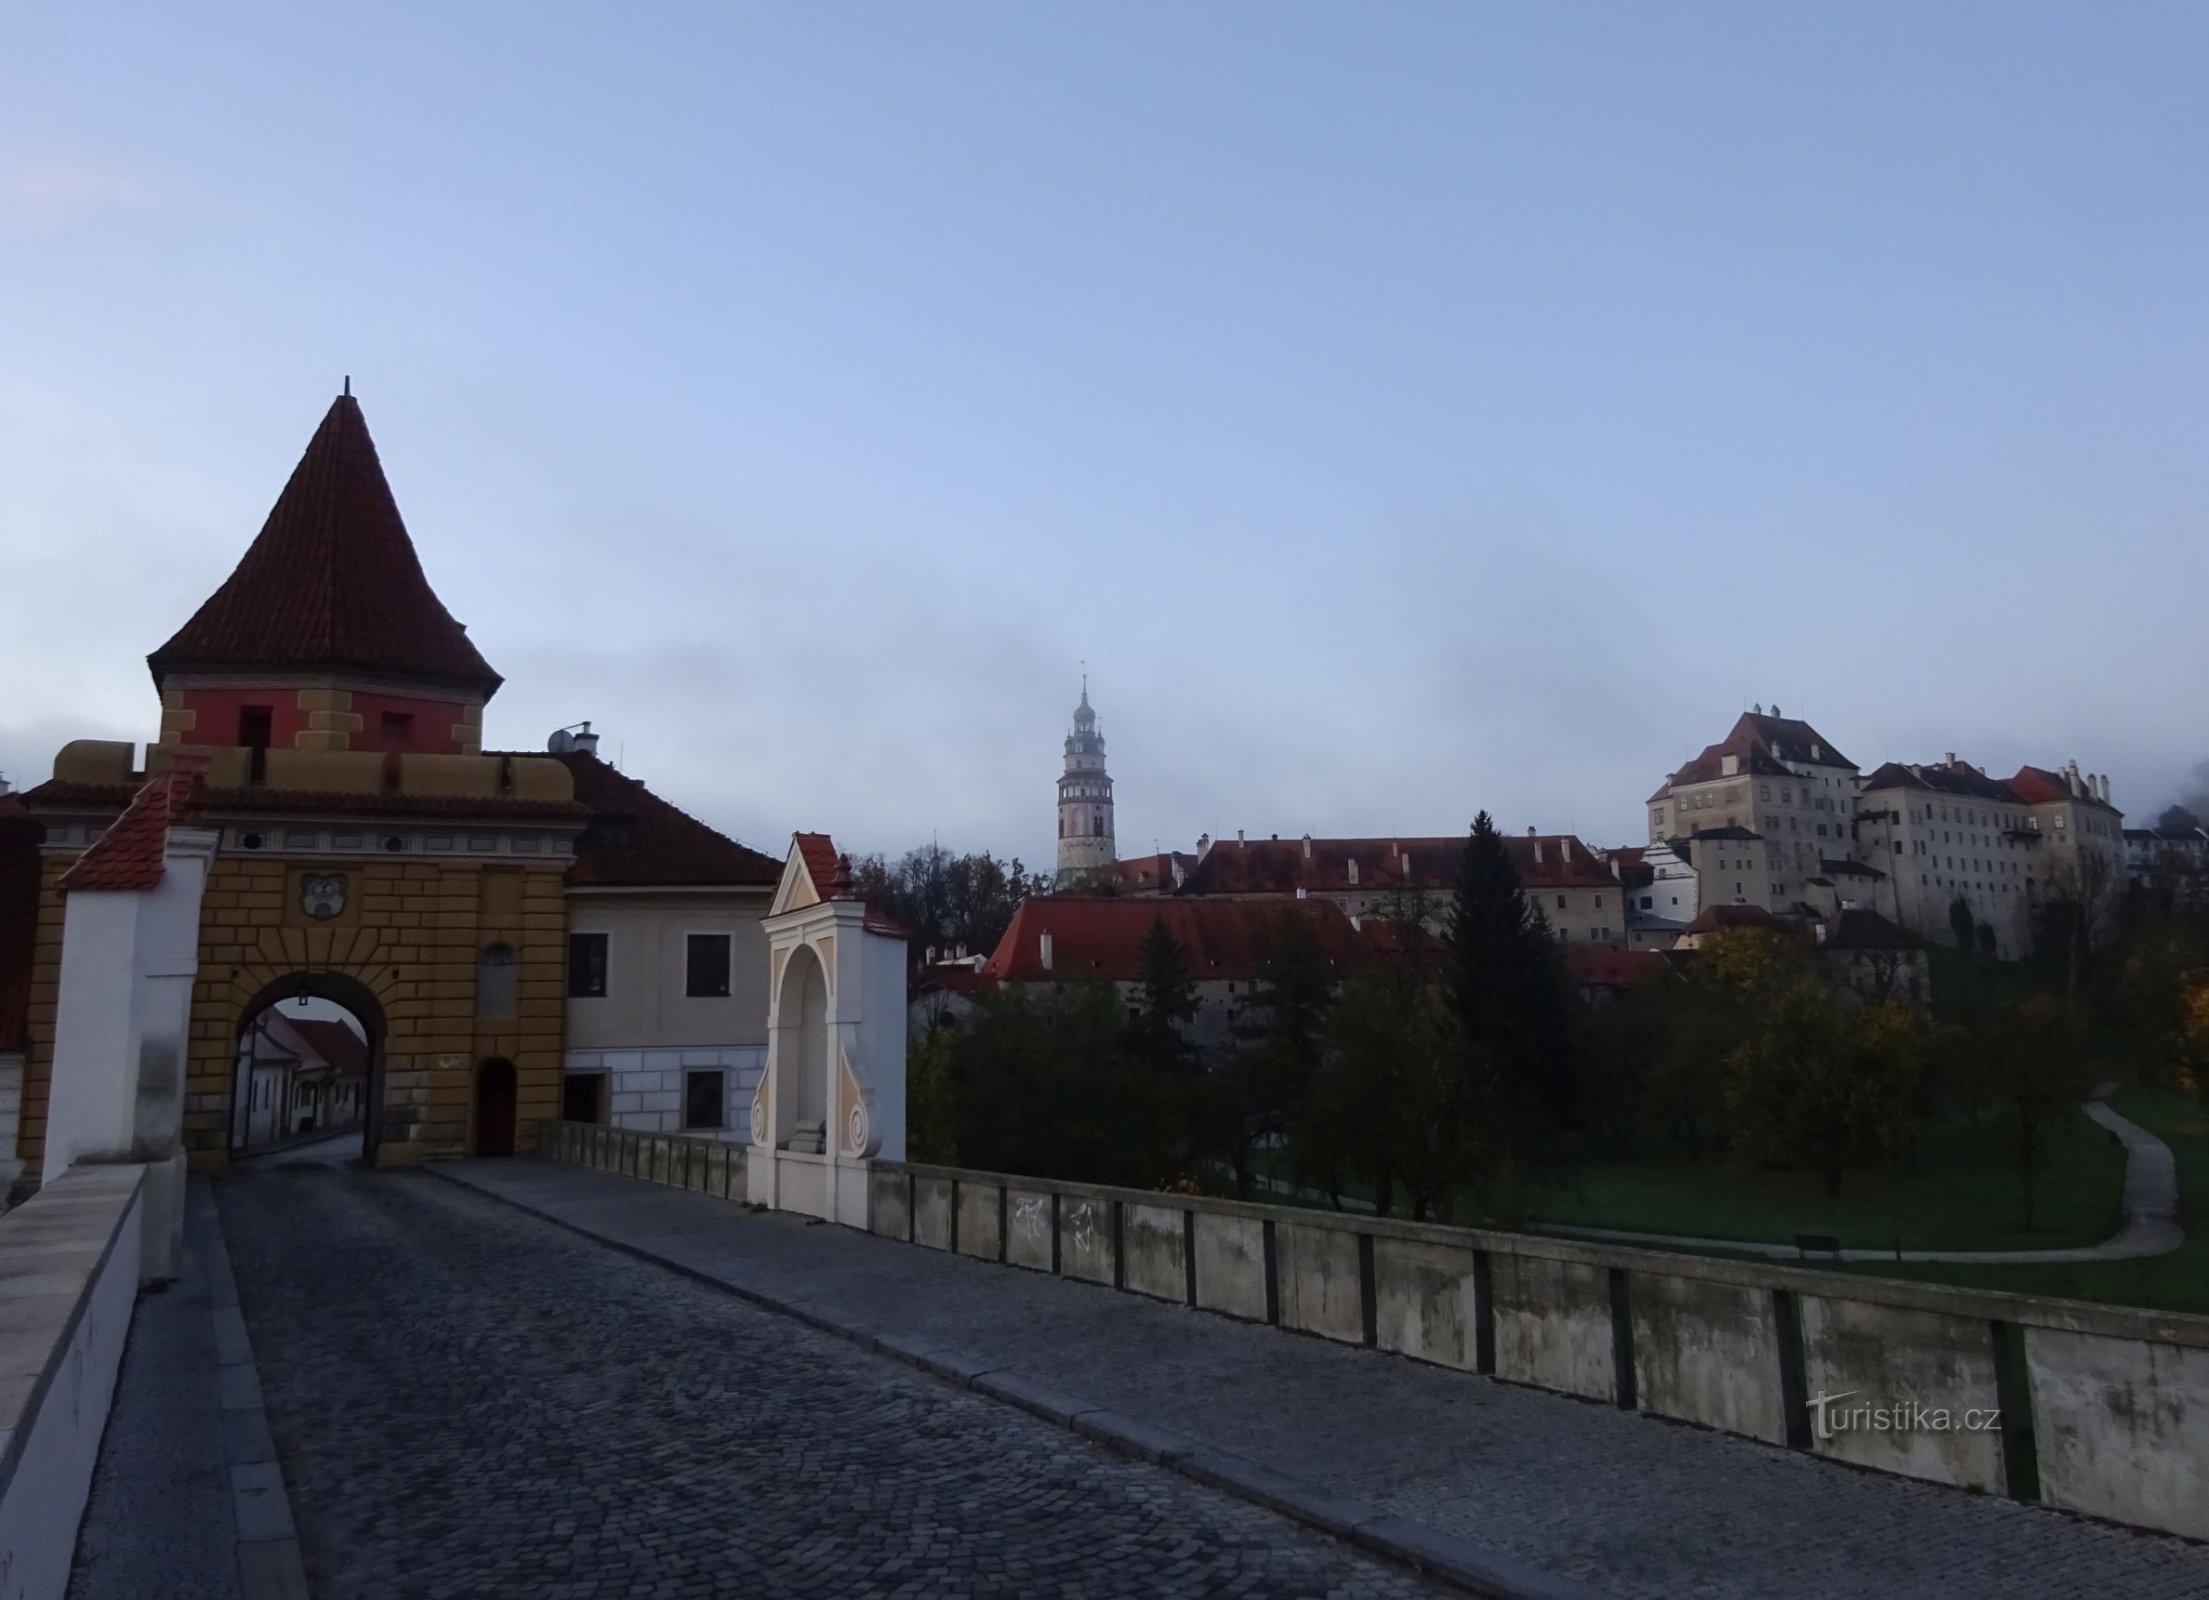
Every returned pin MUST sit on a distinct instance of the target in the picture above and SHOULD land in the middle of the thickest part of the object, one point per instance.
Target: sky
(1401, 409)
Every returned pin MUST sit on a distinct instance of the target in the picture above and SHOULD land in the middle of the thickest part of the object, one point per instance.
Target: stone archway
(339, 988)
(801, 1024)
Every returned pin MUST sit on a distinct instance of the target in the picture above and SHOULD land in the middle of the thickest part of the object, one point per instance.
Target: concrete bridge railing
(679, 1160)
(2098, 1409)
(69, 1266)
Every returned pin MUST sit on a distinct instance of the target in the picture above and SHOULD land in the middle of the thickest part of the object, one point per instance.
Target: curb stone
(1455, 1561)
(270, 1566)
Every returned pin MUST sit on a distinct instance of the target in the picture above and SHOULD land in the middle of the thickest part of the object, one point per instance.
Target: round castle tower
(1085, 843)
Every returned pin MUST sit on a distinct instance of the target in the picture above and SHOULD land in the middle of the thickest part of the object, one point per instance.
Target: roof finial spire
(348, 384)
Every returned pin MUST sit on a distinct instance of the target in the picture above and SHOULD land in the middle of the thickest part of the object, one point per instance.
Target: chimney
(1239, 839)
(1043, 949)
(586, 741)
(1537, 850)
(1564, 848)
(1307, 847)
(1950, 758)
(1530, 830)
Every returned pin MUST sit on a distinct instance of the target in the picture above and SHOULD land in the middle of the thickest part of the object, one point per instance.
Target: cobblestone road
(477, 1405)
(1639, 1508)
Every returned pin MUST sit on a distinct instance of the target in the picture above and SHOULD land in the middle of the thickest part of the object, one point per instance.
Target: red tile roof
(1712, 919)
(1142, 874)
(1596, 966)
(831, 874)
(333, 1041)
(133, 852)
(331, 582)
(1102, 937)
(1283, 866)
(1762, 746)
(637, 838)
(19, 839)
(2031, 787)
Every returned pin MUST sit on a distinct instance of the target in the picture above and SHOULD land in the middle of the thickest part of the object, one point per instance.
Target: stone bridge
(529, 1378)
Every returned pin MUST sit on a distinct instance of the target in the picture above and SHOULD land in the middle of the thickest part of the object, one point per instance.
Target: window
(702, 1097)
(707, 967)
(255, 729)
(495, 976)
(1560, 902)
(582, 1096)
(398, 727)
(586, 965)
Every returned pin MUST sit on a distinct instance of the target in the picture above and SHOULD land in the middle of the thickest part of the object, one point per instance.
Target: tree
(1512, 1011)
(1167, 1001)
(1046, 1086)
(1282, 1044)
(1962, 925)
(2039, 1076)
(1376, 1107)
(948, 902)
(1824, 1085)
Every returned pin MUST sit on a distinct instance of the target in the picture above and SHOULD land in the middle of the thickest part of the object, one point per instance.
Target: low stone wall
(69, 1260)
(2102, 1409)
(706, 1166)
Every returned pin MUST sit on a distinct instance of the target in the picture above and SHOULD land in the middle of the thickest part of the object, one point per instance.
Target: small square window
(703, 1100)
(398, 727)
(706, 970)
(586, 965)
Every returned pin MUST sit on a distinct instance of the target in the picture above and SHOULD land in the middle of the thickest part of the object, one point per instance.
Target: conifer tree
(1513, 1014)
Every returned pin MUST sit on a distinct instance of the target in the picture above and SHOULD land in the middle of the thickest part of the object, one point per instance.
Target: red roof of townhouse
(1102, 937)
(333, 1041)
(133, 852)
(332, 581)
(1597, 966)
(1323, 866)
(637, 838)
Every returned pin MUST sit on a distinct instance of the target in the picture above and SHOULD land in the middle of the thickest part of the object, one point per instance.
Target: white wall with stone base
(644, 1088)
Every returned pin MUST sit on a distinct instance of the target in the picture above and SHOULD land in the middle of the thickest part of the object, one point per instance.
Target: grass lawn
(1964, 1195)
(2175, 1282)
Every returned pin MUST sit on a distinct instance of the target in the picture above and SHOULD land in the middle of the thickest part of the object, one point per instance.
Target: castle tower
(1085, 843)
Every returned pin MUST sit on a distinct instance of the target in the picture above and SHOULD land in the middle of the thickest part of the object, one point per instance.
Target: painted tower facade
(1085, 844)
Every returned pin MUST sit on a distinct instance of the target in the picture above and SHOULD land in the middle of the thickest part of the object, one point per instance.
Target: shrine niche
(833, 1093)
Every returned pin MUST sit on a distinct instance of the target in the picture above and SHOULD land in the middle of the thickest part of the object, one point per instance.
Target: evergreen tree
(1513, 1014)
(1167, 1003)
(1962, 924)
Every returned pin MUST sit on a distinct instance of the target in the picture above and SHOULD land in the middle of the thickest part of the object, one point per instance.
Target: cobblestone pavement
(1628, 1503)
(475, 1404)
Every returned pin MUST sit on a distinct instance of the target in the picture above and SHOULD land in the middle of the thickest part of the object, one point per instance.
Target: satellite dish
(561, 742)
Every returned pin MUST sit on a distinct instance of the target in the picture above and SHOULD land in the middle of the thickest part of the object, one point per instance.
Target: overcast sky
(1403, 409)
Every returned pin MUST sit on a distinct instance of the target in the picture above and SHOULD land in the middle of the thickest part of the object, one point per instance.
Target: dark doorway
(495, 1108)
(583, 1097)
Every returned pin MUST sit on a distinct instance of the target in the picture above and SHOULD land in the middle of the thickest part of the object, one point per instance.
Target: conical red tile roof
(332, 581)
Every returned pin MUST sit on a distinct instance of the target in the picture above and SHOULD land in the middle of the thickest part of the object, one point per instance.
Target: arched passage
(802, 1050)
(346, 1098)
